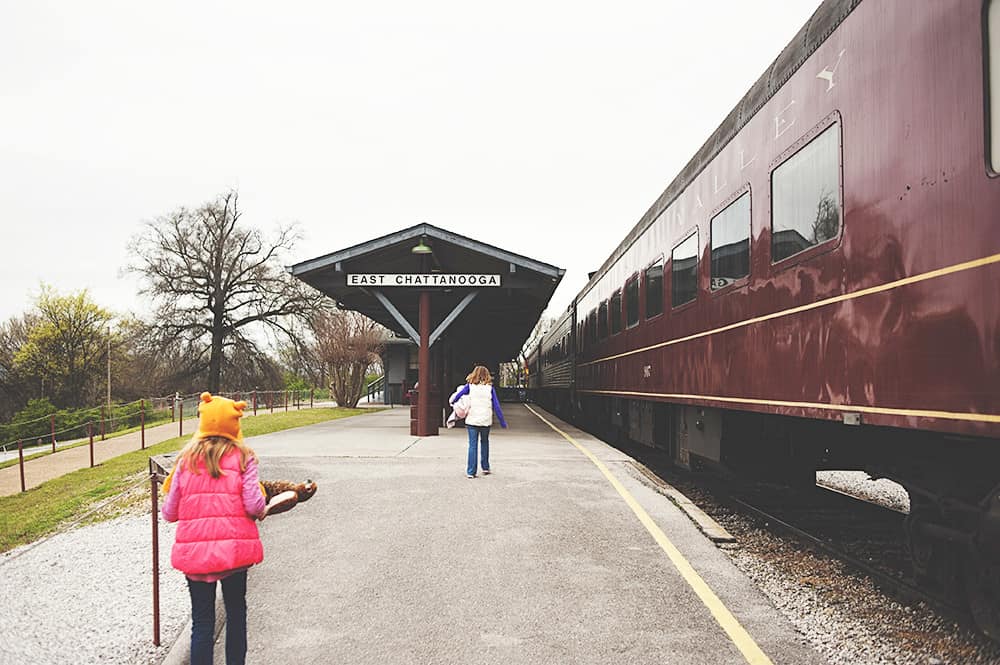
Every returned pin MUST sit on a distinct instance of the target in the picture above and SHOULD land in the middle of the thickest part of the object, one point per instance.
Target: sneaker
(281, 502)
(470, 475)
(486, 472)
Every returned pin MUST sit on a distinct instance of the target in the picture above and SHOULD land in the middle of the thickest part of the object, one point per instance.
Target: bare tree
(215, 280)
(348, 343)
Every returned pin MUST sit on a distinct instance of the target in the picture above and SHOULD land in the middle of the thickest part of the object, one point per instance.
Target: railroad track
(894, 582)
(865, 536)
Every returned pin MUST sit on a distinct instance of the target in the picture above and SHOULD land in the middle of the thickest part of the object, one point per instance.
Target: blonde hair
(210, 450)
(479, 375)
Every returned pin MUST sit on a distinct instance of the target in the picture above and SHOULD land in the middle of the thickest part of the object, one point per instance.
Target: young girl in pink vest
(213, 493)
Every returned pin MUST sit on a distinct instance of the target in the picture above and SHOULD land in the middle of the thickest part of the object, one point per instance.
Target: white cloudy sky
(546, 128)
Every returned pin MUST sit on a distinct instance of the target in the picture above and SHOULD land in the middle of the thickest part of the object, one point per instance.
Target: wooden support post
(154, 491)
(20, 461)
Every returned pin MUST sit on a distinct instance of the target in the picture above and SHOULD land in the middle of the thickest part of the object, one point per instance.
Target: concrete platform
(399, 558)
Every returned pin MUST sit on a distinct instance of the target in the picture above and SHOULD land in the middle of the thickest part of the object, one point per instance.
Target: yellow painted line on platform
(736, 632)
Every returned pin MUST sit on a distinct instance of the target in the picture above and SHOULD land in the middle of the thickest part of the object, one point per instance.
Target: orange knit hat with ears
(219, 416)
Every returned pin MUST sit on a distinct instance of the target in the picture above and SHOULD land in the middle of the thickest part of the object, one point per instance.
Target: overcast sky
(545, 128)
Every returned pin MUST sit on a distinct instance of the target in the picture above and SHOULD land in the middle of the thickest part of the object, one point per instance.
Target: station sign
(423, 280)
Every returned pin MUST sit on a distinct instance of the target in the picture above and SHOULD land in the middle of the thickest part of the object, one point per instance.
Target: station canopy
(484, 300)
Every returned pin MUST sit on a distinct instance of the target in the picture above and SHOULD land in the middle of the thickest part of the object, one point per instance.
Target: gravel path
(85, 596)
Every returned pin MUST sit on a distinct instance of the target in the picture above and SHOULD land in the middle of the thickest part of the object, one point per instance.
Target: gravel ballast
(85, 596)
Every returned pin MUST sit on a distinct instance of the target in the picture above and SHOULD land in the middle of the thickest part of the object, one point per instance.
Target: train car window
(805, 196)
(615, 312)
(731, 243)
(993, 69)
(684, 271)
(654, 289)
(632, 302)
(602, 320)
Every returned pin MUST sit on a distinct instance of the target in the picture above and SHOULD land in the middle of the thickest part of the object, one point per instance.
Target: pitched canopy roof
(493, 325)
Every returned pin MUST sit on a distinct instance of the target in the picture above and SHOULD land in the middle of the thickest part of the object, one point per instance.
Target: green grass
(28, 516)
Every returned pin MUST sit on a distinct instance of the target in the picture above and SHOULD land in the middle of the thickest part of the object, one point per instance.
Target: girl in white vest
(483, 403)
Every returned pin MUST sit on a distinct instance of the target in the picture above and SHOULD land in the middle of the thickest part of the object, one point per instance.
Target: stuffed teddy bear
(282, 495)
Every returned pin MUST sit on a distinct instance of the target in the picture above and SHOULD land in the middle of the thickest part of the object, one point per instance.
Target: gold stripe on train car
(940, 272)
(885, 411)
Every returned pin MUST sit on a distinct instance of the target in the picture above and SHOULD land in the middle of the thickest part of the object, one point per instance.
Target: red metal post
(52, 425)
(424, 419)
(103, 416)
(285, 394)
(20, 461)
(270, 399)
(298, 399)
(173, 409)
(90, 433)
(180, 420)
(142, 423)
(255, 402)
(156, 559)
(312, 394)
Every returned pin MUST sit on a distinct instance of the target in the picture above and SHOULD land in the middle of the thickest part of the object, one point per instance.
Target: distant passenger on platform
(483, 403)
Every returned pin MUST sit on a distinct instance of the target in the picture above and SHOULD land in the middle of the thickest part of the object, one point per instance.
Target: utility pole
(109, 371)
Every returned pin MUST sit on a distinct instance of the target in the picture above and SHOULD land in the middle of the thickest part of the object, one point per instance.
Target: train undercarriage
(953, 527)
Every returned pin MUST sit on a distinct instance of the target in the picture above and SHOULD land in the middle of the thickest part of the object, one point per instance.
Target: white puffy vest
(480, 405)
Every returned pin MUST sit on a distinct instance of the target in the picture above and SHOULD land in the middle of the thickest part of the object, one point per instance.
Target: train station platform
(563, 555)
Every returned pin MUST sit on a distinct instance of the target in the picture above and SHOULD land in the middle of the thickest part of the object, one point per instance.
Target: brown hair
(479, 375)
(210, 450)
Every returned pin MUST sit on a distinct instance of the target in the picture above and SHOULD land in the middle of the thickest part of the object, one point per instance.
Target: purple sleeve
(253, 498)
(458, 395)
(172, 501)
(496, 409)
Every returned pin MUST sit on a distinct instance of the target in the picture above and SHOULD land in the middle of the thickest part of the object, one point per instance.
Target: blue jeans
(234, 595)
(478, 436)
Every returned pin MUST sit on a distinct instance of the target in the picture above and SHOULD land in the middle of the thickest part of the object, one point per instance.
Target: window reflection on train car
(730, 239)
(684, 271)
(615, 312)
(805, 196)
(993, 81)
(602, 320)
(632, 302)
(654, 289)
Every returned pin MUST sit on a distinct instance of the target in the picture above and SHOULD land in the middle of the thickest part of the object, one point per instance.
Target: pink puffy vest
(214, 532)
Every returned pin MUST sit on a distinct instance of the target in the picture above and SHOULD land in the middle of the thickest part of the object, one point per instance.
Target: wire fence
(66, 427)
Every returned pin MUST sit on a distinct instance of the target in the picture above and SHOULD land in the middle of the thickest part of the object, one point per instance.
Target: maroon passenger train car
(818, 288)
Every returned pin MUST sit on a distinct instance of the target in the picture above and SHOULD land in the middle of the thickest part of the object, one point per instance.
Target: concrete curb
(180, 651)
(712, 529)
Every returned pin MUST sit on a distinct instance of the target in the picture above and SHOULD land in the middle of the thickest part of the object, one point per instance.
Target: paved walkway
(399, 558)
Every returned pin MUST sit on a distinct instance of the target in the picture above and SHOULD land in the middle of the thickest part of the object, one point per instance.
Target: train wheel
(982, 589)
(936, 563)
